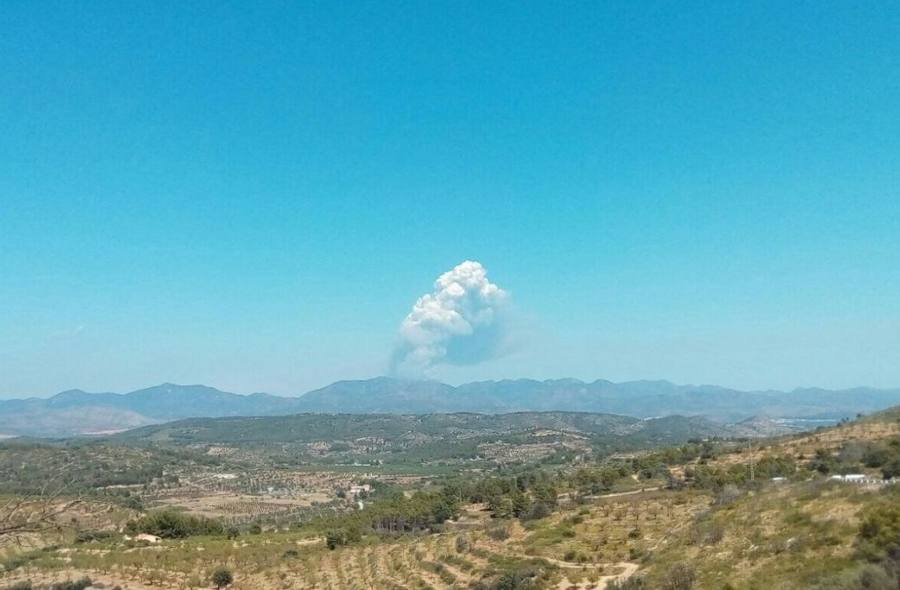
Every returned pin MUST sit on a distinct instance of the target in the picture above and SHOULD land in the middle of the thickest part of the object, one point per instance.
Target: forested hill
(306, 428)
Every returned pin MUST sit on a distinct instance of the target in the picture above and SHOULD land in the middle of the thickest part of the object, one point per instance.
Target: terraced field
(471, 551)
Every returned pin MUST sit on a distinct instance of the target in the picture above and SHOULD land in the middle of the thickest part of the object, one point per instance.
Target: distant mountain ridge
(641, 399)
(77, 412)
(74, 411)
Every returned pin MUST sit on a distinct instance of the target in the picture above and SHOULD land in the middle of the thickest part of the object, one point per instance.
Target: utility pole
(750, 450)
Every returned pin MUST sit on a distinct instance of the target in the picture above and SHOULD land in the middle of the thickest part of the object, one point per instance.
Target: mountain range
(76, 412)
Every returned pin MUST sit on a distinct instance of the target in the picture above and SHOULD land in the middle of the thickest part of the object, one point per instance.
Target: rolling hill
(426, 441)
(77, 412)
(315, 427)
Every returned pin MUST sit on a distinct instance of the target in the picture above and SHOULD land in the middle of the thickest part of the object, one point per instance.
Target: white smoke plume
(462, 322)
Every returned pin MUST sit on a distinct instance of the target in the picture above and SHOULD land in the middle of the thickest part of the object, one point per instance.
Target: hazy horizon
(455, 384)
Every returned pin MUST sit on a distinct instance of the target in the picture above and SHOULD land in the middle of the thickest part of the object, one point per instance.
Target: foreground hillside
(825, 535)
(774, 514)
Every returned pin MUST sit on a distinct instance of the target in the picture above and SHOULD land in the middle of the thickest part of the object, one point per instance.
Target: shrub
(517, 580)
(729, 494)
(69, 585)
(169, 524)
(462, 544)
(872, 577)
(222, 577)
(679, 577)
(875, 456)
(334, 538)
(715, 534)
(537, 510)
(891, 469)
(88, 536)
(880, 529)
(868, 577)
(499, 531)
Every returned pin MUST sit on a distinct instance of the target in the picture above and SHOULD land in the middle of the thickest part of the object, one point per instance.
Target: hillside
(688, 517)
(77, 412)
(313, 427)
(427, 440)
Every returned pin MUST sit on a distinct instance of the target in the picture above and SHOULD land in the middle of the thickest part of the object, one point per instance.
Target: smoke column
(461, 322)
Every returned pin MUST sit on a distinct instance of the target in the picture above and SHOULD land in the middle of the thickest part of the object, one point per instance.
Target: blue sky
(253, 197)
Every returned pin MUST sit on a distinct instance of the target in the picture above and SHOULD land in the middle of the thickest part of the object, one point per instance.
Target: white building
(356, 490)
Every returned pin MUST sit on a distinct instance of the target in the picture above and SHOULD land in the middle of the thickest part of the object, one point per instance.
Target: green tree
(333, 539)
(504, 508)
(521, 504)
(891, 469)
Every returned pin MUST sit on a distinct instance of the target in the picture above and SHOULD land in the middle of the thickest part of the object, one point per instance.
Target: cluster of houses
(862, 479)
(857, 478)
